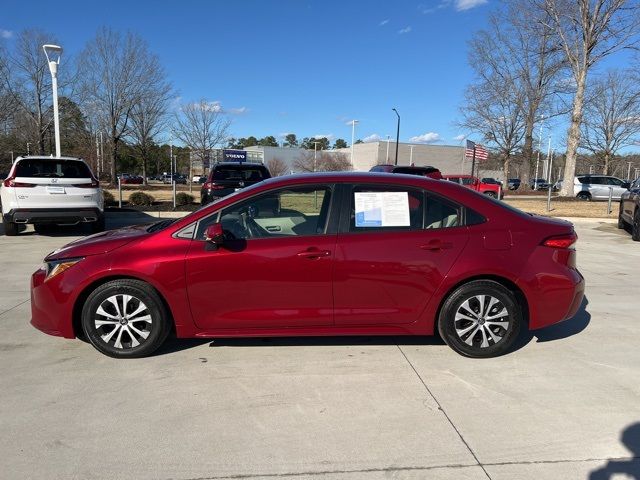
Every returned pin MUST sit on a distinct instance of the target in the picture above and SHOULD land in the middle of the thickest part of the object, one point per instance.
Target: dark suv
(431, 172)
(226, 178)
(629, 214)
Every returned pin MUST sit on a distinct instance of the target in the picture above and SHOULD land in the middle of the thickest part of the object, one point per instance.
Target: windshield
(156, 227)
(45, 167)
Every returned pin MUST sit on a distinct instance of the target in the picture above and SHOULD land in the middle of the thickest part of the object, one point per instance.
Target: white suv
(596, 187)
(48, 190)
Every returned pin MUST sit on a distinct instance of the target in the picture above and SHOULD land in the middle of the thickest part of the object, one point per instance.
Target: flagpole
(473, 160)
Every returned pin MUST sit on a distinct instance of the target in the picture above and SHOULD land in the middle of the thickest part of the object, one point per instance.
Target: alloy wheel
(482, 321)
(123, 321)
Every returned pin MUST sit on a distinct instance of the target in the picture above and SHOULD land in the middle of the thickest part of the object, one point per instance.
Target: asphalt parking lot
(564, 405)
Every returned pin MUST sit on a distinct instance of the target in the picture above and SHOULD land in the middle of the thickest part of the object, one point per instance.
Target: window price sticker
(382, 209)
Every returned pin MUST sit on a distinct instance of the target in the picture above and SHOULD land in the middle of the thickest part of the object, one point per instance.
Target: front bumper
(51, 306)
(53, 215)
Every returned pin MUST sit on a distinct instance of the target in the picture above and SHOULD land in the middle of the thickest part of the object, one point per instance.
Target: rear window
(236, 173)
(50, 168)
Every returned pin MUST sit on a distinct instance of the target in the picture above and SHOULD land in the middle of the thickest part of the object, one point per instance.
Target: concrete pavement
(564, 404)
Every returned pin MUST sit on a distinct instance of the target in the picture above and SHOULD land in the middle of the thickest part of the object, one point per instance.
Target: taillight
(11, 182)
(94, 184)
(561, 241)
(212, 186)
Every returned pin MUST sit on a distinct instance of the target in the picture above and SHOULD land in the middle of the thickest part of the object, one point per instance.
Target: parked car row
(597, 187)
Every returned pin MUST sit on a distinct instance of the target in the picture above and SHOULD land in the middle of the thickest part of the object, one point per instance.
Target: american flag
(481, 152)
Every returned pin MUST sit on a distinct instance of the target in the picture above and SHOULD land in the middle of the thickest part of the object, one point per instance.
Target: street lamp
(54, 61)
(411, 156)
(28, 143)
(397, 135)
(315, 154)
(353, 137)
(388, 137)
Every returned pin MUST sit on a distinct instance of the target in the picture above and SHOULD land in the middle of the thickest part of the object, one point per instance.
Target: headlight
(56, 267)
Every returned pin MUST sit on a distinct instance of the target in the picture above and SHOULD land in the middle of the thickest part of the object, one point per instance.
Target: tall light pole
(54, 61)
(353, 137)
(629, 170)
(397, 135)
(28, 152)
(388, 138)
(411, 155)
(315, 153)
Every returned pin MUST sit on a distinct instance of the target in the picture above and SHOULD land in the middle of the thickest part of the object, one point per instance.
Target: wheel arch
(76, 319)
(505, 282)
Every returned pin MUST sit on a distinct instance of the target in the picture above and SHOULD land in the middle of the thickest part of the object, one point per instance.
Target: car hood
(99, 243)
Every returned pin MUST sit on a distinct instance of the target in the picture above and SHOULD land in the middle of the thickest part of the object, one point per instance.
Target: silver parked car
(596, 187)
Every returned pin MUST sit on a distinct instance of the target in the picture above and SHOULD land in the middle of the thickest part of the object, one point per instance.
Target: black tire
(98, 226)
(586, 196)
(477, 333)
(635, 226)
(491, 194)
(621, 223)
(11, 229)
(128, 331)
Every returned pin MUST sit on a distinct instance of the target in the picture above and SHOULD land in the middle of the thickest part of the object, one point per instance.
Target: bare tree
(277, 167)
(612, 116)
(588, 31)
(519, 47)
(150, 114)
(27, 82)
(201, 126)
(322, 161)
(495, 109)
(115, 72)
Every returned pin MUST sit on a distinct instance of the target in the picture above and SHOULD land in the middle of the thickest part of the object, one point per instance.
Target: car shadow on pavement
(327, 341)
(568, 328)
(630, 467)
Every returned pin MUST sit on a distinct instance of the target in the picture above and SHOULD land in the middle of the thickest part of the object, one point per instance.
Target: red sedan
(318, 254)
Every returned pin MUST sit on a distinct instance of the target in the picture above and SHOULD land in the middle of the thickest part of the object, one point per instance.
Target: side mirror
(214, 234)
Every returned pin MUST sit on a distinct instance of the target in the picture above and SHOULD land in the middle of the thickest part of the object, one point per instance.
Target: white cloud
(329, 136)
(5, 33)
(404, 30)
(383, 22)
(212, 106)
(238, 111)
(462, 5)
(429, 137)
(374, 137)
(459, 138)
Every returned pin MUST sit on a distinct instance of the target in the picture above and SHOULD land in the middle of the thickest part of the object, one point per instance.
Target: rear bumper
(53, 215)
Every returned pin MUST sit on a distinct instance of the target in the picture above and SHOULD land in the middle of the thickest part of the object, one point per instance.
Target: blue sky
(306, 67)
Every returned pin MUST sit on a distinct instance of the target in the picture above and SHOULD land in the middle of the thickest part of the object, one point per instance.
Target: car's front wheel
(621, 223)
(480, 319)
(125, 319)
(635, 227)
(584, 196)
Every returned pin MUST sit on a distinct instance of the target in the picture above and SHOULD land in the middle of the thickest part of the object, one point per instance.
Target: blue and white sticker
(382, 209)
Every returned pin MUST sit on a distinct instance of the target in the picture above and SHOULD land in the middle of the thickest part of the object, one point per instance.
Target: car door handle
(435, 245)
(314, 253)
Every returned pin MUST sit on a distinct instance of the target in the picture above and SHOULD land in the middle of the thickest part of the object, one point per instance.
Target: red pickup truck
(490, 189)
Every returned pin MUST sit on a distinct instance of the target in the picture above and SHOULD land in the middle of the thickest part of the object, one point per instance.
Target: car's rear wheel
(11, 229)
(480, 319)
(635, 227)
(125, 319)
(585, 196)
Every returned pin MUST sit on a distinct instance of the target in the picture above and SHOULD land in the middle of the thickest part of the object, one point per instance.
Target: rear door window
(52, 168)
(386, 208)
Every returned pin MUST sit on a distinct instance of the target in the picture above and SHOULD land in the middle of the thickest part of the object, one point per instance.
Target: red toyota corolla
(320, 254)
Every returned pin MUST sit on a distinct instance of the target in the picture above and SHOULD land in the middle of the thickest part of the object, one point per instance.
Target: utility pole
(53, 68)
(411, 155)
(388, 138)
(315, 154)
(397, 135)
(353, 137)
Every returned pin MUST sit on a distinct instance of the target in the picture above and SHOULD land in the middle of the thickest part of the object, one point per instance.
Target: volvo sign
(234, 155)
